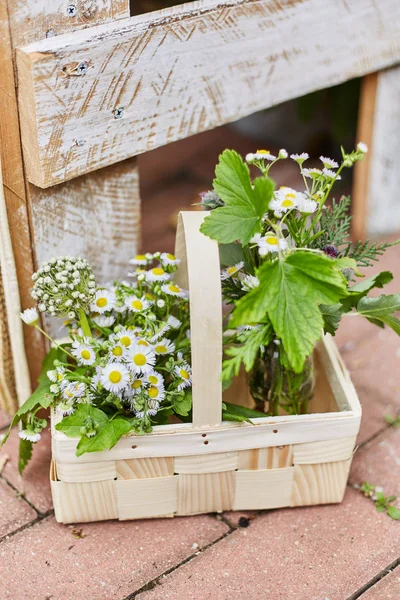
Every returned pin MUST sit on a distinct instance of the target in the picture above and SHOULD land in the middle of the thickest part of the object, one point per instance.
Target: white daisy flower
(66, 408)
(157, 274)
(140, 259)
(165, 346)
(307, 205)
(84, 354)
(30, 316)
(141, 359)
(52, 375)
(54, 389)
(103, 321)
(73, 390)
(230, 271)
(329, 163)
(126, 337)
(362, 147)
(283, 153)
(184, 372)
(116, 352)
(249, 282)
(311, 173)
(26, 434)
(156, 393)
(103, 301)
(114, 377)
(285, 199)
(174, 322)
(269, 242)
(263, 155)
(169, 259)
(155, 378)
(137, 305)
(331, 174)
(137, 385)
(300, 158)
(173, 290)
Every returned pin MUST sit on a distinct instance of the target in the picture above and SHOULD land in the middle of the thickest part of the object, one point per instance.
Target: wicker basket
(209, 466)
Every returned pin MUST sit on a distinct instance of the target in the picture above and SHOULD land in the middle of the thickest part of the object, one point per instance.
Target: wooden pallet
(210, 465)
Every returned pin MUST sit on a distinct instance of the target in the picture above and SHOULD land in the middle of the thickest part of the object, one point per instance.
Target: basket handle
(199, 272)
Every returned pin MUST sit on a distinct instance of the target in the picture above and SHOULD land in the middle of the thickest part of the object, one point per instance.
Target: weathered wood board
(376, 206)
(185, 69)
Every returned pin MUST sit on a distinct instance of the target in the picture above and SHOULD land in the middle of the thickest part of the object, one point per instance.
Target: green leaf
(236, 409)
(348, 263)
(394, 513)
(72, 424)
(244, 353)
(183, 406)
(331, 315)
(106, 437)
(358, 291)
(230, 254)
(25, 454)
(290, 292)
(245, 203)
(379, 310)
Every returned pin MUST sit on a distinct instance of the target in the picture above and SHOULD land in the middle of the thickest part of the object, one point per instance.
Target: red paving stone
(378, 462)
(387, 588)
(14, 511)
(313, 553)
(35, 484)
(111, 561)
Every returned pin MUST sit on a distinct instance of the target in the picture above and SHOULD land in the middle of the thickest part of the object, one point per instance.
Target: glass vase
(275, 387)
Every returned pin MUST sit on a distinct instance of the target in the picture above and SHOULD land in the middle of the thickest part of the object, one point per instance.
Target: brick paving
(340, 552)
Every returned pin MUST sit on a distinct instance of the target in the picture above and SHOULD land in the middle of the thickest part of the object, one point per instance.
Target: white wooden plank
(323, 452)
(186, 69)
(205, 492)
(143, 498)
(263, 489)
(320, 483)
(209, 463)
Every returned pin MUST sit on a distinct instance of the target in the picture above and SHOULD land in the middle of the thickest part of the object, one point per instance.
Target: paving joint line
(389, 569)
(38, 519)
(23, 496)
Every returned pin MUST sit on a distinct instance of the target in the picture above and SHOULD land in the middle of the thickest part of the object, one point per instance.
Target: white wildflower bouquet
(126, 364)
(289, 272)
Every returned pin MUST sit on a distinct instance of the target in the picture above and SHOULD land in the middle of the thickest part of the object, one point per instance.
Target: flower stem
(84, 323)
(54, 342)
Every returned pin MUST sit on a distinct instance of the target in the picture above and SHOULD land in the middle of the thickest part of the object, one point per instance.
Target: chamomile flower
(83, 353)
(173, 290)
(156, 393)
(30, 316)
(307, 205)
(164, 346)
(184, 372)
(269, 242)
(260, 155)
(174, 322)
(103, 321)
(155, 378)
(55, 389)
(66, 408)
(231, 271)
(286, 198)
(249, 282)
(103, 301)
(329, 163)
(169, 259)
(311, 173)
(116, 352)
(300, 158)
(74, 389)
(137, 305)
(56, 375)
(361, 147)
(140, 259)
(141, 359)
(331, 174)
(30, 436)
(126, 337)
(136, 385)
(157, 274)
(114, 377)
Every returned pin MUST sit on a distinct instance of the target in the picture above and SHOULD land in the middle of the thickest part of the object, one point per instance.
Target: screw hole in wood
(206, 442)
(133, 447)
(203, 435)
(275, 431)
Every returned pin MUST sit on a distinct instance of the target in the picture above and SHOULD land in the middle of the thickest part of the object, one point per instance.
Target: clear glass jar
(276, 388)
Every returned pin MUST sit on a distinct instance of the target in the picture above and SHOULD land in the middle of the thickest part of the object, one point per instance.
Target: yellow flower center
(139, 360)
(137, 304)
(59, 377)
(161, 349)
(136, 384)
(171, 256)
(273, 241)
(157, 271)
(140, 257)
(125, 341)
(149, 296)
(153, 379)
(153, 392)
(101, 302)
(85, 354)
(288, 201)
(143, 343)
(232, 270)
(184, 374)
(115, 376)
(117, 351)
(174, 288)
(262, 151)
